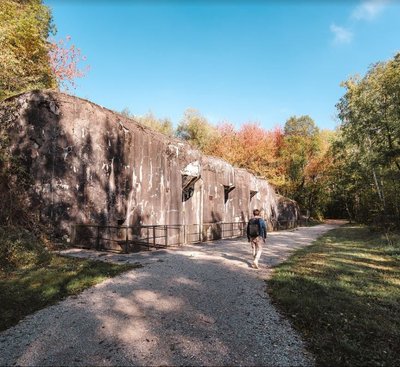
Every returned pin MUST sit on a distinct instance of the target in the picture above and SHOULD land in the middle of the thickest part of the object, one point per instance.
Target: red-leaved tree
(66, 63)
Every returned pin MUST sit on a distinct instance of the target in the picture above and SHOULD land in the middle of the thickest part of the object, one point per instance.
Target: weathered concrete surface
(288, 212)
(198, 306)
(92, 165)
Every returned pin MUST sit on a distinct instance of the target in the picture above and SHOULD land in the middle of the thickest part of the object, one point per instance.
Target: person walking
(256, 234)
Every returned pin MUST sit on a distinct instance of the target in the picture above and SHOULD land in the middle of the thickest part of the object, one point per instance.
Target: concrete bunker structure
(92, 165)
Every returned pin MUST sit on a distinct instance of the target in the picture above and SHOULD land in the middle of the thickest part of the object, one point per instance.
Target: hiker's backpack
(254, 227)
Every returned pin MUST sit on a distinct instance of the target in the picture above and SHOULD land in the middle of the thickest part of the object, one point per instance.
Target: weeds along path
(198, 305)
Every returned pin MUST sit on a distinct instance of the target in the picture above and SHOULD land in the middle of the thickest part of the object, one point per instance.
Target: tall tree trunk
(380, 191)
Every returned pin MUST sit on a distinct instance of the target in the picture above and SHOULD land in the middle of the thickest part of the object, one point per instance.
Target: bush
(19, 248)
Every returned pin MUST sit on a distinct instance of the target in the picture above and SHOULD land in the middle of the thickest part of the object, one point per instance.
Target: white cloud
(342, 35)
(369, 9)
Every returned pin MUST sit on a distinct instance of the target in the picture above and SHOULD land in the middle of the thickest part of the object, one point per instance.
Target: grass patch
(32, 277)
(30, 288)
(343, 294)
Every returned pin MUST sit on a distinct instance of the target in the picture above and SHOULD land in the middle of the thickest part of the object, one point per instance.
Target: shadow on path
(197, 305)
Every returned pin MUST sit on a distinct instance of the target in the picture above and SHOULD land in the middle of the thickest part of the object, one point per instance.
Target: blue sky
(236, 61)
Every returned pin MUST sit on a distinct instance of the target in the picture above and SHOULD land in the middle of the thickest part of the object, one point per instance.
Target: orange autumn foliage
(250, 147)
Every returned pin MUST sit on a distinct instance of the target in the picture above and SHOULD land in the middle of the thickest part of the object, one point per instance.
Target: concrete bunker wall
(92, 165)
(288, 212)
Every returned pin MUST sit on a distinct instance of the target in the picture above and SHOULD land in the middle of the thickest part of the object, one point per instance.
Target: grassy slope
(26, 290)
(343, 294)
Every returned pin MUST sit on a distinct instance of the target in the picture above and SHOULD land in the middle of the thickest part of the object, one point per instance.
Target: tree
(301, 157)
(317, 174)
(370, 131)
(195, 129)
(300, 126)
(28, 59)
(370, 111)
(225, 144)
(250, 147)
(163, 126)
(258, 151)
(24, 56)
(65, 62)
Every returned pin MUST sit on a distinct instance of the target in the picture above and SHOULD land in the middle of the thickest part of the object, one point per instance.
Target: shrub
(19, 248)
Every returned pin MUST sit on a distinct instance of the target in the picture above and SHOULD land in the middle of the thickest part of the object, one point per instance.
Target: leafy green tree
(300, 126)
(300, 155)
(24, 56)
(163, 126)
(28, 60)
(195, 129)
(370, 111)
(370, 133)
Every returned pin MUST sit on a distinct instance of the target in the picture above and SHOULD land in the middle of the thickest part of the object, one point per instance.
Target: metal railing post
(73, 234)
(98, 238)
(126, 239)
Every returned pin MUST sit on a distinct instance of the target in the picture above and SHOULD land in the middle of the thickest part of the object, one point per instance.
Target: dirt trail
(197, 305)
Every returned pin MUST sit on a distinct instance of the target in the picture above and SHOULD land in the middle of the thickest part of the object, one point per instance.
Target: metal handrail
(133, 234)
(165, 235)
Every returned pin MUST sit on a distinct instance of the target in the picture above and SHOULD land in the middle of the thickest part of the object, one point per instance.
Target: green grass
(343, 294)
(28, 289)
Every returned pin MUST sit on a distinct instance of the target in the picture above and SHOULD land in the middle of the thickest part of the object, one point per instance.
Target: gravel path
(197, 305)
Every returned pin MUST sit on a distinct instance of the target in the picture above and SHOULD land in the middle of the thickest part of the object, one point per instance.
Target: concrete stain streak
(119, 171)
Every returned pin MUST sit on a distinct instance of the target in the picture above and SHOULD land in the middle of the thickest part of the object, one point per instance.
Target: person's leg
(259, 241)
(253, 247)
